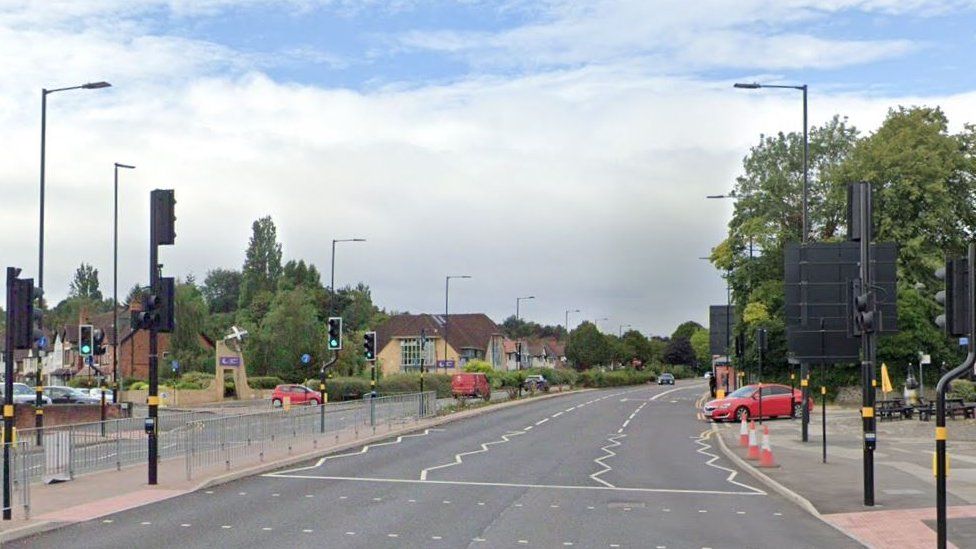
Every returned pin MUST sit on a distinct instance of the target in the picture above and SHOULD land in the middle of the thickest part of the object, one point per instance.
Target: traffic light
(98, 338)
(163, 217)
(26, 321)
(369, 346)
(955, 319)
(335, 333)
(164, 305)
(862, 309)
(86, 336)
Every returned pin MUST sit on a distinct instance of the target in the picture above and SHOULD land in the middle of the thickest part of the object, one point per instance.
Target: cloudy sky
(556, 148)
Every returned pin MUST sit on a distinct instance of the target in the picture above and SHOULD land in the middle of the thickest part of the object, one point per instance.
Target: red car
(471, 385)
(299, 394)
(744, 403)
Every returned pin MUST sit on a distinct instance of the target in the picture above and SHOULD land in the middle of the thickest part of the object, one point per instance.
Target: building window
(472, 354)
(410, 354)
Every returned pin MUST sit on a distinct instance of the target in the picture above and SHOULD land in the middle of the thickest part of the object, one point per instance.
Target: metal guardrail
(20, 481)
(204, 441)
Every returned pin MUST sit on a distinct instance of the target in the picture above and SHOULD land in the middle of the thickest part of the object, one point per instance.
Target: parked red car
(471, 385)
(744, 402)
(299, 394)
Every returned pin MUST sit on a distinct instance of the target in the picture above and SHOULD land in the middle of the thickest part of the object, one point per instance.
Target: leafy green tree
(85, 283)
(290, 329)
(222, 290)
(702, 346)
(262, 262)
(587, 347)
(686, 329)
(191, 312)
(679, 351)
(298, 273)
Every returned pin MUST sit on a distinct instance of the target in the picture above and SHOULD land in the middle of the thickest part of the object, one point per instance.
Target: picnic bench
(894, 408)
(954, 407)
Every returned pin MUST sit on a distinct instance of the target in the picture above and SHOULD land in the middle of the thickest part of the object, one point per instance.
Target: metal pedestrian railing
(19, 479)
(205, 441)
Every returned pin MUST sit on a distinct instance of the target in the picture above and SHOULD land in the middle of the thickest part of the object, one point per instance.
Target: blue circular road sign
(306, 358)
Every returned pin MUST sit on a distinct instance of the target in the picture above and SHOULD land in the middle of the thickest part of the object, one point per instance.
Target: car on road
(665, 379)
(471, 385)
(97, 393)
(25, 395)
(743, 403)
(297, 394)
(69, 395)
(535, 382)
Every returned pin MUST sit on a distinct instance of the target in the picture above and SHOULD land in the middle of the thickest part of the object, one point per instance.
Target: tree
(85, 283)
(191, 312)
(679, 352)
(222, 290)
(262, 263)
(135, 295)
(290, 329)
(298, 273)
(702, 347)
(587, 347)
(686, 329)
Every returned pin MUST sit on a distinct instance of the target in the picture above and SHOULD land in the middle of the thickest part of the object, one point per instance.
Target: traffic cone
(753, 445)
(766, 456)
(744, 433)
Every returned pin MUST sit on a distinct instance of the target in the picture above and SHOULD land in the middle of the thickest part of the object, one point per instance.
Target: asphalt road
(625, 467)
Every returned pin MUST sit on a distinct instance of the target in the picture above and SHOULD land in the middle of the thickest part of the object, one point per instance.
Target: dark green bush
(265, 382)
(410, 383)
(596, 378)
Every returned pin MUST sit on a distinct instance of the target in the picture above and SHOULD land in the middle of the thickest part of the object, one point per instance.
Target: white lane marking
(275, 495)
(208, 492)
(626, 423)
(609, 453)
(541, 421)
(226, 527)
(557, 414)
(107, 521)
(146, 523)
(518, 505)
(266, 529)
(411, 501)
(523, 541)
(516, 485)
(185, 525)
(711, 463)
(307, 531)
(446, 502)
(350, 533)
(310, 495)
(484, 448)
(529, 428)
(377, 499)
(436, 537)
(554, 506)
(343, 497)
(242, 493)
(570, 409)
(393, 535)
(740, 512)
(361, 451)
(477, 539)
(620, 430)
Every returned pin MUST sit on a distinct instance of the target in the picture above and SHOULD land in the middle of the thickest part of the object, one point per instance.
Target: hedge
(597, 378)
(264, 382)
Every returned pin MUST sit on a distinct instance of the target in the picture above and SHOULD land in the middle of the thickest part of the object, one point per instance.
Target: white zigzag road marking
(599, 460)
(484, 448)
(711, 463)
(360, 452)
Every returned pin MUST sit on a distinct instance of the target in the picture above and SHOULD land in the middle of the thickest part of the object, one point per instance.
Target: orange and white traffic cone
(753, 444)
(744, 433)
(766, 455)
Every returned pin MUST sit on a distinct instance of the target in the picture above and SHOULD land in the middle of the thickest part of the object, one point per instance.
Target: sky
(560, 149)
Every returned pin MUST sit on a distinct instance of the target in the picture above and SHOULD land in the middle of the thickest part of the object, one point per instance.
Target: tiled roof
(464, 331)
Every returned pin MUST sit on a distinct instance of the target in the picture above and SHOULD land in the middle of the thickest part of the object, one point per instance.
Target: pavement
(904, 510)
(623, 467)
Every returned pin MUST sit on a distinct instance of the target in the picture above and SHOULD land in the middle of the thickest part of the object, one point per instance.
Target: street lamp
(621, 331)
(44, 93)
(115, 286)
(332, 275)
(447, 292)
(596, 322)
(567, 320)
(518, 342)
(806, 145)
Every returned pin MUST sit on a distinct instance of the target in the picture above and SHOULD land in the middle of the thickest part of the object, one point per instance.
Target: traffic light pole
(868, 345)
(8, 392)
(153, 399)
(322, 393)
(941, 434)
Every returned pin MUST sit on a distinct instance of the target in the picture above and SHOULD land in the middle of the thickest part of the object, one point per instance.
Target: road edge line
(779, 488)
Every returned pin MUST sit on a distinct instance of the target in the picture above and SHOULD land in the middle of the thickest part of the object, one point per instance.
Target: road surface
(625, 467)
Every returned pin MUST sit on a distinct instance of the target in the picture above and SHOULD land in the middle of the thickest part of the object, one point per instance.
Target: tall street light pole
(335, 354)
(447, 293)
(115, 286)
(805, 231)
(44, 93)
(518, 342)
(567, 320)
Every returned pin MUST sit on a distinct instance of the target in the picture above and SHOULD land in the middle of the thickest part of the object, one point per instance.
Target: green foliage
(262, 263)
(290, 329)
(515, 328)
(410, 383)
(264, 382)
(587, 347)
(686, 329)
(136, 386)
(85, 283)
(83, 382)
(222, 290)
(617, 378)
(679, 351)
(191, 313)
(478, 366)
(701, 345)
(964, 389)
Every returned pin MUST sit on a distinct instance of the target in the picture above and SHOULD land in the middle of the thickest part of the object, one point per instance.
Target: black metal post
(823, 408)
(941, 434)
(8, 392)
(761, 343)
(116, 382)
(153, 399)
(868, 350)
(40, 246)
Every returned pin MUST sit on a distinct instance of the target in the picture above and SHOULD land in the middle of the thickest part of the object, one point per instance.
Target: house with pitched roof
(449, 342)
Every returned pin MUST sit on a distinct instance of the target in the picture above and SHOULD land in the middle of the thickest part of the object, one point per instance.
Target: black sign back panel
(720, 319)
(818, 293)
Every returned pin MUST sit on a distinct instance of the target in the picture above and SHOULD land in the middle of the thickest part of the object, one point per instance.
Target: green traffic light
(85, 349)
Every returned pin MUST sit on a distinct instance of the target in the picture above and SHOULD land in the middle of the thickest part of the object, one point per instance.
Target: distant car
(298, 394)
(707, 375)
(25, 395)
(536, 383)
(743, 403)
(665, 379)
(69, 395)
(97, 393)
(471, 385)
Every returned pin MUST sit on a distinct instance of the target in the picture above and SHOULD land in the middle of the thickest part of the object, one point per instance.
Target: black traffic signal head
(23, 314)
(862, 309)
(163, 217)
(98, 340)
(335, 333)
(164, 304)
(955, 319)
(86, 339)
(369, 346)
